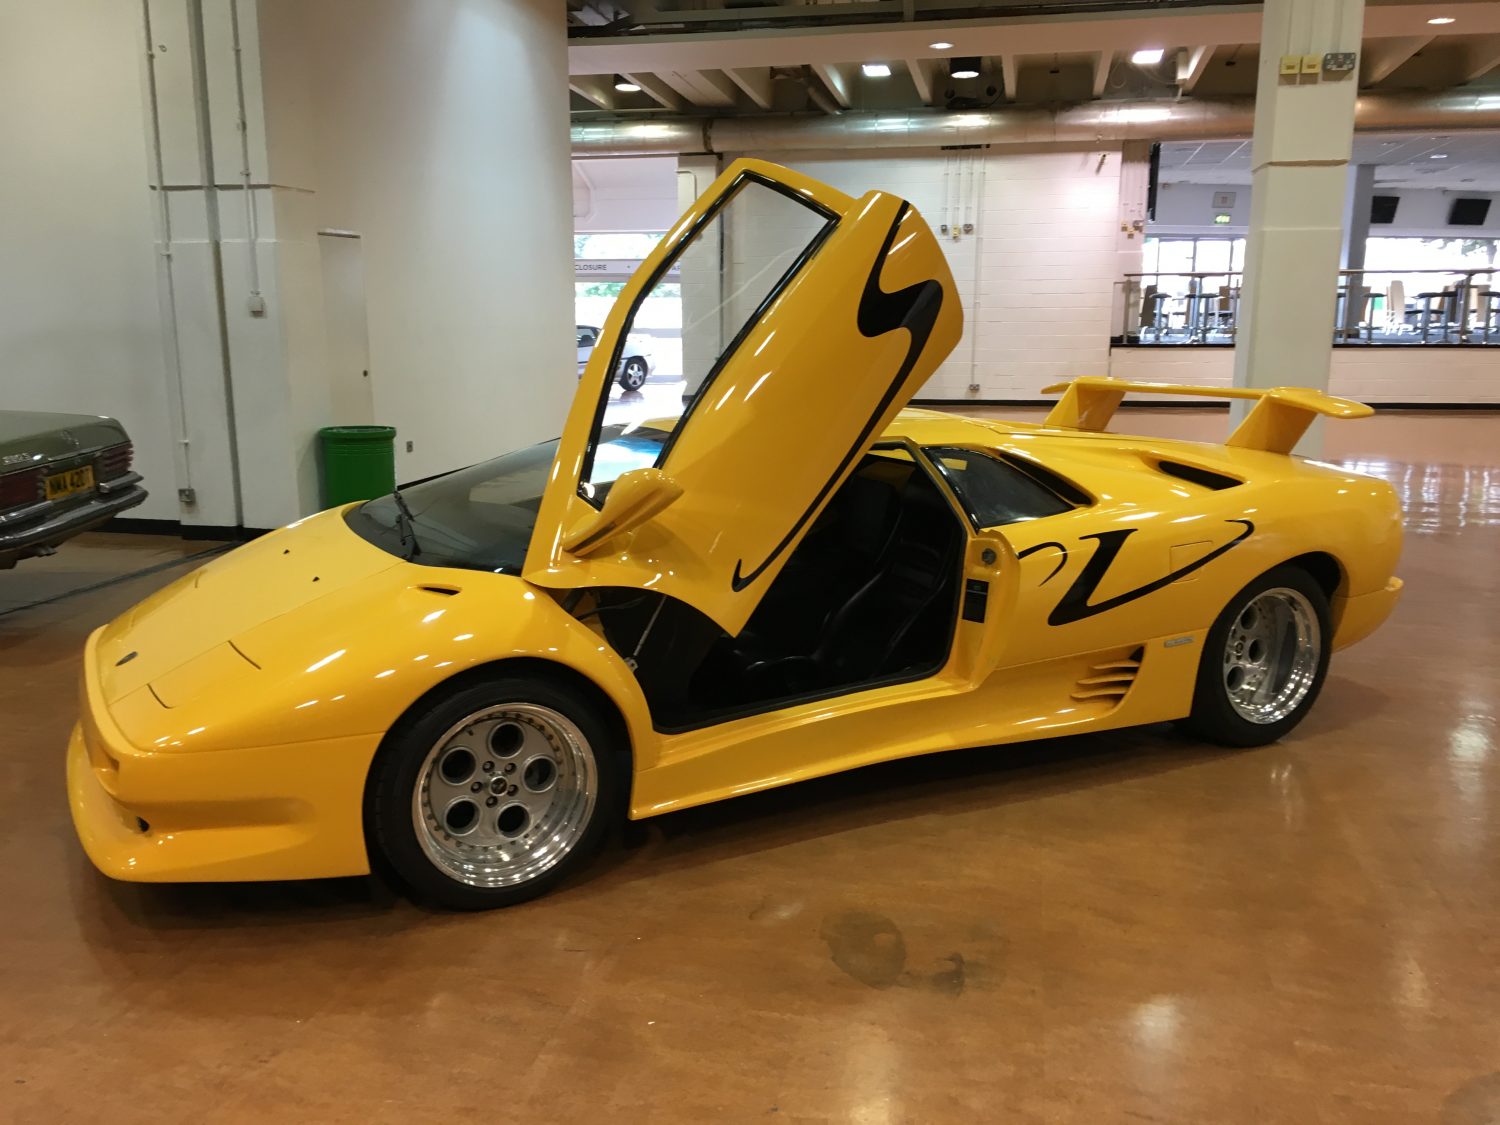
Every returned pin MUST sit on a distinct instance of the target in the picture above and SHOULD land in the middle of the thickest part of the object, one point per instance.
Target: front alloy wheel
(1264, 661)
(504, 794)
(494, 792)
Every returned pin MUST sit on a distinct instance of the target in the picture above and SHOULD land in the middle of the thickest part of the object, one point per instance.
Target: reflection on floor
(654, 400)
(1128, 927)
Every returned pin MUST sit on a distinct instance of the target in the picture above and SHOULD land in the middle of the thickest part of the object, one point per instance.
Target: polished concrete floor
(1120, 928)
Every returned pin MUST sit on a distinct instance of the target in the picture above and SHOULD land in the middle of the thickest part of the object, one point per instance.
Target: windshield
(481, 518)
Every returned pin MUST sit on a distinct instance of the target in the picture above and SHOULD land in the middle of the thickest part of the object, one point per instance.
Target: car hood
(31, 434)
(217, 605)
(310, 634)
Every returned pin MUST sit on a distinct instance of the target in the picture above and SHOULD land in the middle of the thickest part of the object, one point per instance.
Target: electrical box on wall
(1338, 62)
(1224, 200)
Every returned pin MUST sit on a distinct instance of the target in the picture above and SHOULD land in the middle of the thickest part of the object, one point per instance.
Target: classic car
(464, 684)
(637, 361)
(60, 474)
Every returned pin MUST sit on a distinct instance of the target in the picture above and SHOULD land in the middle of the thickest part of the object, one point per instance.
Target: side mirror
(632, 500)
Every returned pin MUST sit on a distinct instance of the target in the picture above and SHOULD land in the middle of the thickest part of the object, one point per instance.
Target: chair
(1477, 312)
(1222, 312)
(1395, 307)
(1152, 316)
(1444, 297)
(1351, 311)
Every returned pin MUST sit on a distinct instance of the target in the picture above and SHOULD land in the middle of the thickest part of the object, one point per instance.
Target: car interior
(869, 596)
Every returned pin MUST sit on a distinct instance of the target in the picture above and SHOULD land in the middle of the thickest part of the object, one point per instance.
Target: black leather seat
(880, 629)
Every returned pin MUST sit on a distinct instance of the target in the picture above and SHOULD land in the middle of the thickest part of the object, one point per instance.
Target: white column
(1135, 176)
(1304, 126)
(1357, 199)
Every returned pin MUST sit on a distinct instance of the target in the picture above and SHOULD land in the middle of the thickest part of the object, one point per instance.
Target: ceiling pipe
(1186, 119)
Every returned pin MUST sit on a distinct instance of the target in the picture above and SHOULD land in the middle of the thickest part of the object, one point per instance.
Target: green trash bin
(359, 463)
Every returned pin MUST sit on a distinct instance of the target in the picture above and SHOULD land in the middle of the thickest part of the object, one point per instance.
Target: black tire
(1215, 716)
(431, 730)
(633, 374)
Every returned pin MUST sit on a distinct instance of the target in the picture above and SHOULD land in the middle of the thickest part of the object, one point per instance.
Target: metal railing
(1413, 306)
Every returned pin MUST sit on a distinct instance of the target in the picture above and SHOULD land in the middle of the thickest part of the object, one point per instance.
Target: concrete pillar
(1304, 127)
(1357, 199)
(1135, 177)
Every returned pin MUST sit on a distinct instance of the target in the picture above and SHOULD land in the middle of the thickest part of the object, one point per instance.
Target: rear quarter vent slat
(1196, 474)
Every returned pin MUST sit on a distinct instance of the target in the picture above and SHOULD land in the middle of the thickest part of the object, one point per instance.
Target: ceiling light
(966, 66)
(876, 70)
(1147, 56)
(1437, 156)
(941, 46)
(1438, 21)
(625, 85)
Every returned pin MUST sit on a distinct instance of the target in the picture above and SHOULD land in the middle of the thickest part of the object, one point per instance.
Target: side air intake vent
(1109, 680)
(1193, 474)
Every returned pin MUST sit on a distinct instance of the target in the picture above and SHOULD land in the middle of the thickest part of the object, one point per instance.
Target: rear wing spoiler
(1277, 422)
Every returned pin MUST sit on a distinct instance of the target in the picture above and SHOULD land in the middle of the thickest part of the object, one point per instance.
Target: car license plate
(69, 483)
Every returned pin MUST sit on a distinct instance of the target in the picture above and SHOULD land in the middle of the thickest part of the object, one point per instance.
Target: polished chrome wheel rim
(1271, 655)
(504, 795)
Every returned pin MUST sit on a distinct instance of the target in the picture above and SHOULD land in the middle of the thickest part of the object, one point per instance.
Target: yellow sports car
(782, 575)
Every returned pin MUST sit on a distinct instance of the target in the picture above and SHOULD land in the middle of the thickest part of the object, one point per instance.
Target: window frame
(933, 455)
(830, 224)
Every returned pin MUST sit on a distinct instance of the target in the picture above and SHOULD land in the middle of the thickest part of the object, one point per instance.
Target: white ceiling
(714, 67)
(1464, 160)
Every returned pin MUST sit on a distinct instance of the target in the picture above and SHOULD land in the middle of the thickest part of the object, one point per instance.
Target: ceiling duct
(1187, 119)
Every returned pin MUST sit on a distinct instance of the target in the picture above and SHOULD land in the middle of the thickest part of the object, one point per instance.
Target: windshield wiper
(405, 526)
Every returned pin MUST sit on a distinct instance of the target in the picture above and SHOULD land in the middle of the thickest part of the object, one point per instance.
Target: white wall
(439, 132)
(1187, 209)
(1425, 214)
(79, 325)
(625, 193)
(436, 130)
(1036, 275)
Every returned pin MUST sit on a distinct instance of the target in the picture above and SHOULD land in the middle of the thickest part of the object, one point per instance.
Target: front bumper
(51, 526)
(1356, 618)
(275, 812)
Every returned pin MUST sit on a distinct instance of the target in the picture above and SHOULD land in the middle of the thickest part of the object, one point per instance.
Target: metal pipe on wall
(1091, 123)
(171, 330)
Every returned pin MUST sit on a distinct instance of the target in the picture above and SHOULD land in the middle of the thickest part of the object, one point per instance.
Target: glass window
(1175, 256)
(481, 518)
(1212, 255)
(615, 244)
(719, 282)
(993, 492)
(1150, 255)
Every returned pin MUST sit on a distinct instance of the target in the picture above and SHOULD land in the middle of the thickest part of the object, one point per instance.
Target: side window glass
(992, 492)
(715, 287)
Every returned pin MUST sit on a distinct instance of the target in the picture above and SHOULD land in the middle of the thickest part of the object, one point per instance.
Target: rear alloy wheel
(495, 793)
(1264, 661)
(633, 375)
